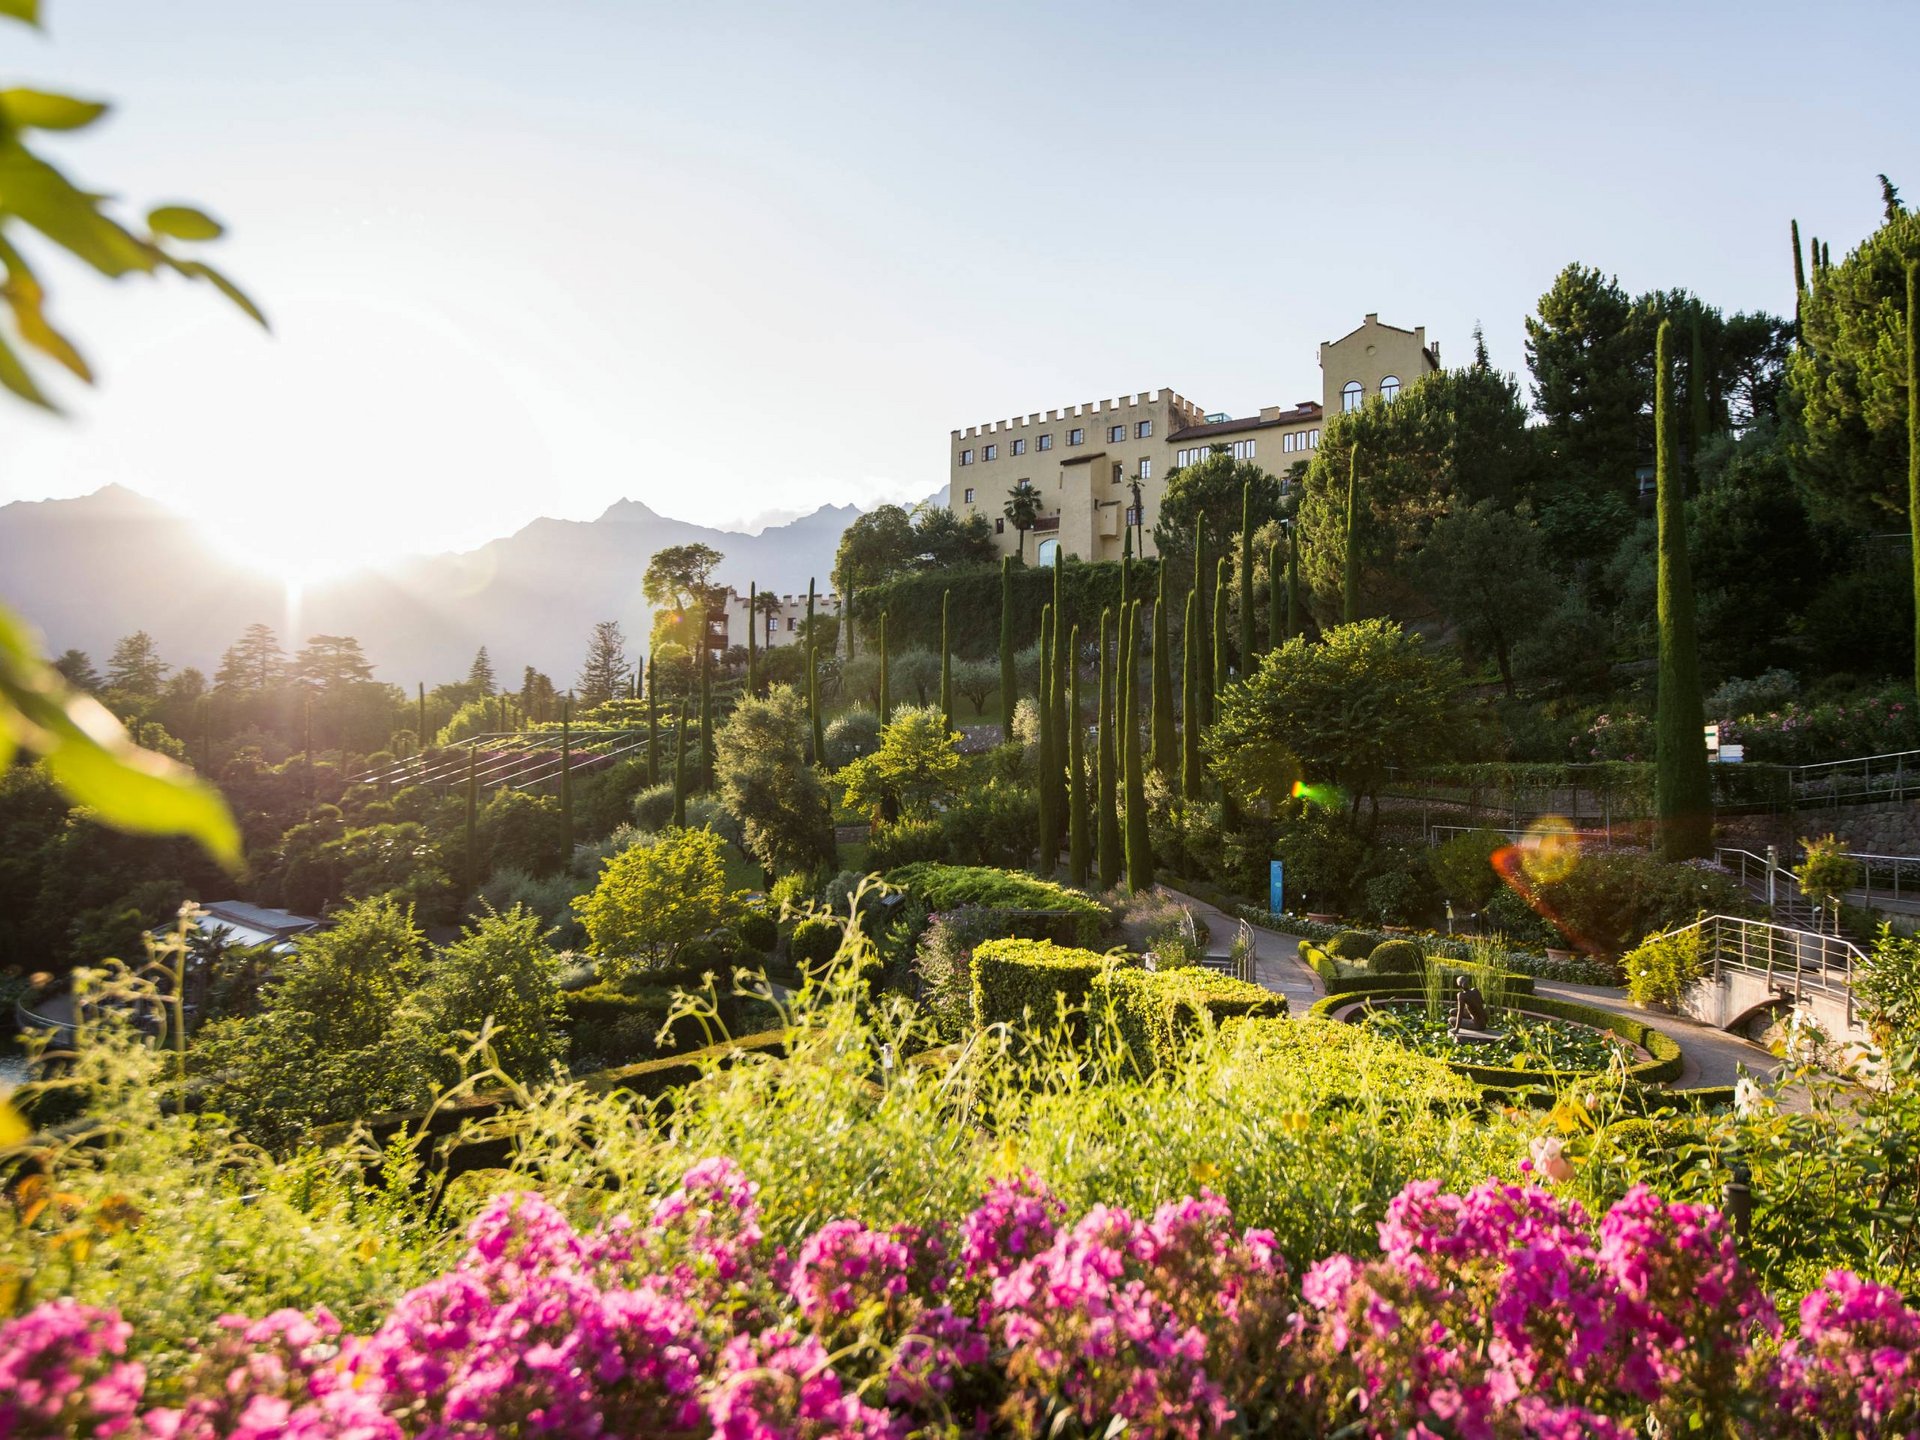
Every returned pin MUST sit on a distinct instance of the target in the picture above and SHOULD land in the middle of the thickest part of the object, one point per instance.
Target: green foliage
(1583, 353)
(654, 898)
(766, 785)
(1396, 957)
(850, 735)
(1887, 986)
(1025, 984)
(1661, 968)
(913, 601)
(916, 768)
(1368, 697)
(501, 970)
(815, 941)
(1682, 791)
(1217, 494)
(1608, 900)
(1463, 867)
(1160, 1014)
(908, 842)
(1485, 567)
(1826, 871)
(1353, 945)
(944, 887)
(758, 931)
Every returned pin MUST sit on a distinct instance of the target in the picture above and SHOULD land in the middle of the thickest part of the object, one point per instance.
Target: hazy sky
(729, 259)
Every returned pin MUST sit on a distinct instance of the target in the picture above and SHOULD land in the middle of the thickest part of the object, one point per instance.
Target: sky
(740, 260)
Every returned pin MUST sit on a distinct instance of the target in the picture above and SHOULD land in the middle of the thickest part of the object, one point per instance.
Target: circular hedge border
(1665, 1065)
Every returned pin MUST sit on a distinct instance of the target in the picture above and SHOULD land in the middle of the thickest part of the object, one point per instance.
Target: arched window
(1390, 389)
(1350, 394)
(1049, 552)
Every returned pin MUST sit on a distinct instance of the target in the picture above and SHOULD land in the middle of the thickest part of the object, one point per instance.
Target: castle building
(1091, 465)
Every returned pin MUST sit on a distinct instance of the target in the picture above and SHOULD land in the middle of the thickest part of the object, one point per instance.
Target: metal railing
(1891, 881)
(521, 759)
(1794, 962)
(1860, 779)
(1440, 834)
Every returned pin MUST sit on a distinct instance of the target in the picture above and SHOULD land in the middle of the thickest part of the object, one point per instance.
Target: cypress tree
(1826, 255)
(1696, 398)
(706, 716)
(946, 658)
(846, 618)
(1221, 670)
(473, 817)
(1126, 568)
(1062, 660)
(1079, 849)
(753, 639)
(1191, 776)
(886, 681)
(1139, 851)
(1009, 678)
(680, 769)
(1203, 654)
(566, 779)
(1106, 779)
(1246, 579)
(817, 743)
(1276, 599)
(653, 726)
(1350, 563)
(1682, 792)
(1165, 743)
(1044, 788)
(1913, 451)
(1799, 281)
(1294, 616)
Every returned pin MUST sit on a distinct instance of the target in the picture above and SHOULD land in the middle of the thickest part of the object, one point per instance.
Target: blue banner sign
(1276, 887)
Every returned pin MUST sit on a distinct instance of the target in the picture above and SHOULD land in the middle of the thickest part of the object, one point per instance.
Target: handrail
(1799, 960)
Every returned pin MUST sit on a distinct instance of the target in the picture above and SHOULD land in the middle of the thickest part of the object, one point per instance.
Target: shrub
(1463, 868)
(1351, 945)
(1662, 968)
(652, 899)
(942, 887)
(757, 931)
(1610, 900)
(816, 940)
(1396, 957)
(850, 735)
(943, 961)
(1015, 979)
(907, 842)
(653, 807)
(991, 824)
(1157, 1013)
(611, 1026)
(1398, 895)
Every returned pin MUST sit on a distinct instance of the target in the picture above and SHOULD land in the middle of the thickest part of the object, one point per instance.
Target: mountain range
(87, 571)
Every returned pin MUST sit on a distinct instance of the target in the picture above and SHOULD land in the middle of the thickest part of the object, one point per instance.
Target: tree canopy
(760, 760)
(655, 897)
(1210, 491)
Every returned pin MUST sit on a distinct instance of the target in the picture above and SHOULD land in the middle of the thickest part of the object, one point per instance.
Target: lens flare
(1549, 850)
(1324, 797)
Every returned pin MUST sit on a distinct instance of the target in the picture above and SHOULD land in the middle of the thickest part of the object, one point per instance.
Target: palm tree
(1023, 509)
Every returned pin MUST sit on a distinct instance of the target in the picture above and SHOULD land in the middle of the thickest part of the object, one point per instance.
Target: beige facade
(776, 625)
(1089, 464)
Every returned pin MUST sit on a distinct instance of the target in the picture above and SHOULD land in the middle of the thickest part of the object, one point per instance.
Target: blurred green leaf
(27, 10)
(41, 110)
(200, 270)
(92, 760)
(21, 290)
(183, 222)
(14, 376)
(45, 199)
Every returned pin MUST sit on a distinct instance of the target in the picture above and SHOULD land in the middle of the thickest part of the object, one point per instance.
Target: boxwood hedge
(1015, 978)
(1343, 979)
(1157, 1012)
(1079, 917)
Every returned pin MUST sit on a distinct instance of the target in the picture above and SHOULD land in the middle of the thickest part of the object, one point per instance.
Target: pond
(1525, 1042)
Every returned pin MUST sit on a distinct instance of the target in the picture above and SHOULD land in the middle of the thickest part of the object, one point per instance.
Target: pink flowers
(1503, 1312)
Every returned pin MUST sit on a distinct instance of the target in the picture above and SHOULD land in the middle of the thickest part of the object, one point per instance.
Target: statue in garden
(1469, 1011)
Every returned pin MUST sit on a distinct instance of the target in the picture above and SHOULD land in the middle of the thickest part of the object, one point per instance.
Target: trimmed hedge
(1158, 1012)
(1579, 971)
(1352, 945)
(1341, 979)
(1665, 1065)
(1014, 977)
(816, 940)
(1396, 957)
(1079, 917)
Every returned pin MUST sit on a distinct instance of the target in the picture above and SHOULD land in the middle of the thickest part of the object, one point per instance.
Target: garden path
(1276, 958)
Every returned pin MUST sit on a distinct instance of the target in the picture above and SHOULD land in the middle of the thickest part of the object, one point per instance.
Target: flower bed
(1536, 1045)
(1502, 1312)
(1580, 970)
(1663, 1062)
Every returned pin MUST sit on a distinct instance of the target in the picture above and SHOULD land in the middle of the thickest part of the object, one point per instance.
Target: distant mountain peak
(630, 512)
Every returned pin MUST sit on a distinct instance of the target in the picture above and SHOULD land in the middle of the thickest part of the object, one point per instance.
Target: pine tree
(1190, 773)
(1246, 581)
(1682, 790)
(1350, 562)
(886, 680)
(1165, 742)
(1139, 851)
(1078, 848)
(1276, 600)
(1799, 281)
(420, 724)
(680, 769)
(653, 726)
(1009, 677)
(1048, 853)
(606, 667)
(1913, 452)
(1126, 568)
(946, 657)
(566, 783)
(480, 673)
(1107, 778)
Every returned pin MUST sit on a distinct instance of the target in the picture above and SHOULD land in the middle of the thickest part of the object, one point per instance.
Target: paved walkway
(1711, 1057)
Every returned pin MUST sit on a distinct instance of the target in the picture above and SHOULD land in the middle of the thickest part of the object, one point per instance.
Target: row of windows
(1353, 394)
(1143, 430)
(1241, 449)
(1300, 440)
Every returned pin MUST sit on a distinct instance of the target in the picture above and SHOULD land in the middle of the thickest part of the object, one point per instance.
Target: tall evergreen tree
(653, 726)
(1203, 653)
(1165, 741)
(606, 666)
(1350, 562)
(1799, 280)
(706, 716)
(135, 667)
(480, 673)
(1046, 847)
(566, 782)
(753, 638)
(1139, 849)
(1294, 616)
(1222, 671)
(1126, 567)
(886, 679)
(1246, 580)
(1107, 778)
(846, 617)
(946, 657)
(420, 720)
(1191, 775)
(1276, 599)
(1913, 454)
(1682, 789)
(1009, 676)
(816, 725)
(1079, 848)
(680, 769)
(1698, 383)
(1061, 661)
